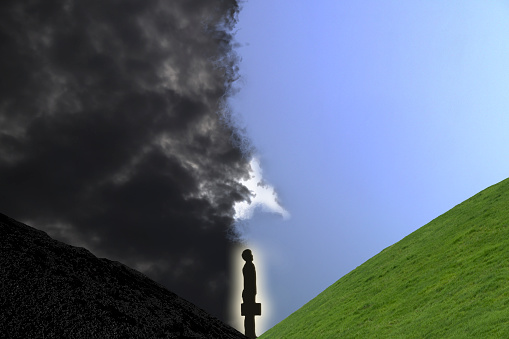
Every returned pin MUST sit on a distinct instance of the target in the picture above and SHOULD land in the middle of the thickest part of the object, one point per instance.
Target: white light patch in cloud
(264, 196)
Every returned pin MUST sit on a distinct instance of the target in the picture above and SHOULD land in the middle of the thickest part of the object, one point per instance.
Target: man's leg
(249, 325)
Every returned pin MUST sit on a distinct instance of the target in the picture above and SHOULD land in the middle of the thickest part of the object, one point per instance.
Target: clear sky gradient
(370, 118)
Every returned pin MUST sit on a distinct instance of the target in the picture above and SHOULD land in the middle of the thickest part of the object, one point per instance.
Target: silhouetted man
(249, 308)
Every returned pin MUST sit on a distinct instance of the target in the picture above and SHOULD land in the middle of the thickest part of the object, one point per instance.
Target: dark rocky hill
(49, 289)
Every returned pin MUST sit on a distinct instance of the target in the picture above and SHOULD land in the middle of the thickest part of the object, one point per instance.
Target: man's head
(247, 255)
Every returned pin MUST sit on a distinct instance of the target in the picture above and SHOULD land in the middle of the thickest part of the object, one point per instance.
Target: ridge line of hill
(53, 290)
(448, 279)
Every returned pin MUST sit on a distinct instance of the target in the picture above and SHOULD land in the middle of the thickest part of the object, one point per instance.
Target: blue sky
(370, 118)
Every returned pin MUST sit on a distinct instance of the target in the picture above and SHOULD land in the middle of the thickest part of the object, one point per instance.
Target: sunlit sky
(370, 118)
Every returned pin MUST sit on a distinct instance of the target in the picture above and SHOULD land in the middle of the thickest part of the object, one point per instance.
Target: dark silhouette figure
(250, 307)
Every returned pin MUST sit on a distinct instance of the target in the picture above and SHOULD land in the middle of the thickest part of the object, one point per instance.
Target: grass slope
(448, 279)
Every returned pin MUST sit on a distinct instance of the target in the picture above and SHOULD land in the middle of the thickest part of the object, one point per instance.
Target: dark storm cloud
(114, 133)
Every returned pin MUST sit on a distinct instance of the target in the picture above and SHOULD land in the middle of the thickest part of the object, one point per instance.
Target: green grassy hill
(448, 279)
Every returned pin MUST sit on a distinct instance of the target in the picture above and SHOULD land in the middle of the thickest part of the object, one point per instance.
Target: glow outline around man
(249, 308)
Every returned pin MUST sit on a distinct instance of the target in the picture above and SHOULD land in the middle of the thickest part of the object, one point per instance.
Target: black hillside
(49, 289)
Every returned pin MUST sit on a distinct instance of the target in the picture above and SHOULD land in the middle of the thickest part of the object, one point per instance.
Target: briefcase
(257, 309)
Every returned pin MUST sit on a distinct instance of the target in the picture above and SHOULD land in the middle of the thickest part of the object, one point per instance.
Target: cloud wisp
(263, 196)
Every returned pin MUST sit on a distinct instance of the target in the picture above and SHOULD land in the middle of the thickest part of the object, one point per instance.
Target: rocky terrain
(49, 289)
